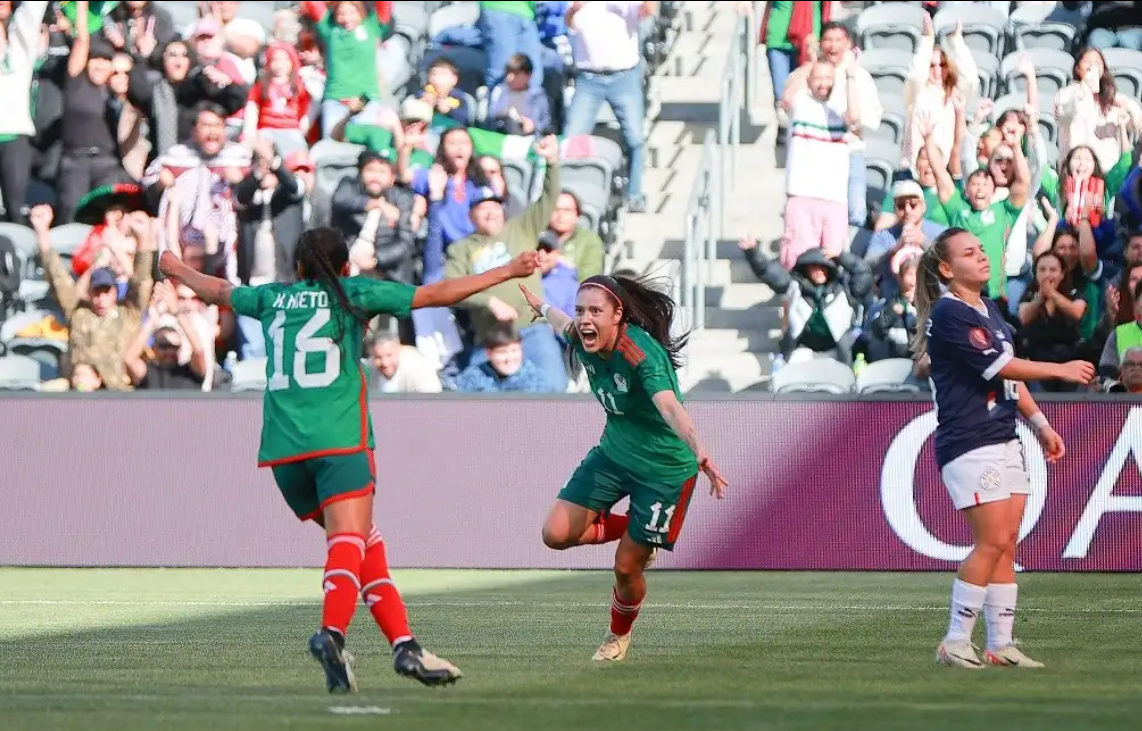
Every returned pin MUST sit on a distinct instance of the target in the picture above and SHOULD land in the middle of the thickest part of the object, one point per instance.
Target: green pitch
(225, 649)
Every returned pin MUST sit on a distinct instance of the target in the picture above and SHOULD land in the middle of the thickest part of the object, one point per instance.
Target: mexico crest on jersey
(620, 383)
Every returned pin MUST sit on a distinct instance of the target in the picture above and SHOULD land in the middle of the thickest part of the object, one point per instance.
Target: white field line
(489, 603)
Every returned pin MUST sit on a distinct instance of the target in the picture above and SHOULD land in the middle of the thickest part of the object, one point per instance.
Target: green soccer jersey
(991, 226)
(636, 435)
(315, 387)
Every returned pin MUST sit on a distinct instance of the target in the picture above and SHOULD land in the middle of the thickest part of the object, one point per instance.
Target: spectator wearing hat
(912, 233)
(492, 171)
(90, 140)
(21, 29)
(401, 368)
(162, 369)
(515, 107)
(278, 106)
(579, 245)
(497, 241)
(504, 367)
(374, 215)
(243, 37)
(99, 325)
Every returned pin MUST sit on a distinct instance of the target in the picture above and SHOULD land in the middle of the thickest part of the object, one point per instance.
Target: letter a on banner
(1102, 500)
(898, 489)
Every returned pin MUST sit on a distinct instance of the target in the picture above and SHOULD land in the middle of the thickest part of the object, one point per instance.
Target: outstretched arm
(559, 320)
(448, 292)
(675, 414)
(211, 290)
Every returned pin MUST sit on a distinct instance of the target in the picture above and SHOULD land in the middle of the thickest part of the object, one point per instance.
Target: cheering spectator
(402, 137)
(515, 107)
(374, 215)
(1090, 105)
(823, 299)
(1086, 194)
(441, 93)
(504, 367)
(497, 241)
(1115, 25)
(20, 31)
(492, 172)
(450, 185)
(220, 66)
(351, 36)
(837, 49)
(140, 29)
(244, 37)
(1125, 336)
(162, 370)
(892, 319)
(270, 213)
(931, 90)
(1050, 315)
(933, 210)
(788, 31)
(560, 278)
(910, 236)
(975, 209)
(312, 71)
(401, 368)
(1085, 273)
(278, 108)
(581, 245)
(131, 130)
(608, 60)
(508, 28)
(816, 206)
(100, 327)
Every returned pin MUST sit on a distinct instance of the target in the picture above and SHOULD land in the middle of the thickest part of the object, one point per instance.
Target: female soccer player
(979, 388)
(649, 450)
(316, 432)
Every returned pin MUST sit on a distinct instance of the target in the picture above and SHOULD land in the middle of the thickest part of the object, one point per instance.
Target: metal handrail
(706, 214)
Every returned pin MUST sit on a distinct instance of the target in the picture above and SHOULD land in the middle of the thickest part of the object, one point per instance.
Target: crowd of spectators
(219, 130)
(980, 126)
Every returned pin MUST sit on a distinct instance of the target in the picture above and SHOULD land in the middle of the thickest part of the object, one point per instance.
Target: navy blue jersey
(968, 348)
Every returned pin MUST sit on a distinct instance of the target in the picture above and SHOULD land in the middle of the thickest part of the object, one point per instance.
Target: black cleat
(413, 662)
(335, 661)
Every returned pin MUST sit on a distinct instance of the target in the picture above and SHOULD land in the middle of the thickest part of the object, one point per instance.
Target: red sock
(609, 528)
(342, 580)
(380, 593)
(623, 613)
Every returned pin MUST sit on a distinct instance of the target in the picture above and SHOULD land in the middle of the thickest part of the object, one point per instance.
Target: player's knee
(993, 546)
(556, 539)
(628, 568)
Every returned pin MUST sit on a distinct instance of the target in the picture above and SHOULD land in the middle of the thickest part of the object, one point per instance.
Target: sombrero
(93, 207)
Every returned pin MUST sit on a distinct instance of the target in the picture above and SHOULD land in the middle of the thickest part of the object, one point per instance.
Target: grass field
(225, 649)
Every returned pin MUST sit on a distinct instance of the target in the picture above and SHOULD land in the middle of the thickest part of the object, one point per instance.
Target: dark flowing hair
(1124, 315)
(321, 257)
(1051, 253)
(644, 303)
(1107, 90)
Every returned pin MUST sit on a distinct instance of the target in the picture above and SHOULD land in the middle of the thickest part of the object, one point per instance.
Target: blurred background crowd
(221, 130)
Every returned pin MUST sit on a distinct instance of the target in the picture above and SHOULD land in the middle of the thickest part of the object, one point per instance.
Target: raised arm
(62, 285)
(1046, 238)
(945, 186)
(211, 290)
(559, 320)
(448, 292)
(81, 46)
(1020, 189)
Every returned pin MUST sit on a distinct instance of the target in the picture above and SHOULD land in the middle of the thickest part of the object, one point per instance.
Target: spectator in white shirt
(608, 62)
(401, 368)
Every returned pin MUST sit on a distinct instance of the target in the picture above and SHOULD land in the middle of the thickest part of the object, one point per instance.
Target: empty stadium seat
(1126, 65)
(893, 118)
(20, 373)
(393, 57)
(518, 174)
(69, 237)
(410, 19)
(983, 25)
(1052, 71)
(893, 26)
(886, 376)
(453, 15)
(888, 68)
(881, 160)
(987, 68)
(1031, 28)
(814, 376)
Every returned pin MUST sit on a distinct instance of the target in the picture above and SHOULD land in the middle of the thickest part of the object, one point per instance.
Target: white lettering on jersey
(302, 301)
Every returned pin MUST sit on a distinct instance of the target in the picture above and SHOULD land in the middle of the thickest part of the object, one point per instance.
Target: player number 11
(608, 401)
(657, 512)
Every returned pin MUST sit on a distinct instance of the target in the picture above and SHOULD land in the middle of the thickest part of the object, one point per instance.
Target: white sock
(999, 607)
(967, 600)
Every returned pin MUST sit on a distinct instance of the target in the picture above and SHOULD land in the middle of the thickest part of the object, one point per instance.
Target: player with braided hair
(317, 435)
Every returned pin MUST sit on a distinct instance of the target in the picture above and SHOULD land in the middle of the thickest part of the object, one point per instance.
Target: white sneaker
(958, 654)
(1010, 657)
(613, 649)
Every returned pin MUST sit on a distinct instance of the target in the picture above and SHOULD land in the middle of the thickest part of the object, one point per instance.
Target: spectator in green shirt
(401, 135)
(351, 36)
(508, 28)
(579, 244)
(974, 211)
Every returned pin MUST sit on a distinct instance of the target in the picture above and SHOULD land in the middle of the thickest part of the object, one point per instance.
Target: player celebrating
(316, 432)
(649, 450)
(979, 387)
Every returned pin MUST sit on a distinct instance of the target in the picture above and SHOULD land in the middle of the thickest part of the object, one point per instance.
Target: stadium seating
(893, 26)
(815, 376)
(1052, 71)
(1126, 65)
(21, 373)
(1031, 29)
(983, 25)
(888, 68)
(886, 376)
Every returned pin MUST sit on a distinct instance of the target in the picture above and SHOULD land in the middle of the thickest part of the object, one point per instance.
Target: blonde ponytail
(930, 285)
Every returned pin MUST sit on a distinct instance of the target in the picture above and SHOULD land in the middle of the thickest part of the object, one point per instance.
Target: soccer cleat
(958, 655)
(422, 665)
(650, 559)
(1010, 657)
(613, 649)
(335, 661)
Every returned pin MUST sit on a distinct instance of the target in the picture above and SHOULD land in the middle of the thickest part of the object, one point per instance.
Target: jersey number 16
(304, 343)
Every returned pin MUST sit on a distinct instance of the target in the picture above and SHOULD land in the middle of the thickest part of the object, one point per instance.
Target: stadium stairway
(731, 353)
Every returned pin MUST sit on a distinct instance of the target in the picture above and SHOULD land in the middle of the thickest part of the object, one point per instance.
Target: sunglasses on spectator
(908, 203)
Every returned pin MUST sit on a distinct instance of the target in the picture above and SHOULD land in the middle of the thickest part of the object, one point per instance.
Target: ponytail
(930, 284)
(321, 257)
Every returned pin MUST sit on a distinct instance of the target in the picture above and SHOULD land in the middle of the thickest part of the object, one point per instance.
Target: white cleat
(650, 559)
(1010, 657)
(613, 649)
(958, 655)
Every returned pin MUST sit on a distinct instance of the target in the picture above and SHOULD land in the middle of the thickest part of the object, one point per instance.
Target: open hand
(502, 311)
(1076, 371)
(535, 303)
(745, 243)
(718, 483)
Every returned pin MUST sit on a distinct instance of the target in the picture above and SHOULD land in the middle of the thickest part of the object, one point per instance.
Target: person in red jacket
(278, 106)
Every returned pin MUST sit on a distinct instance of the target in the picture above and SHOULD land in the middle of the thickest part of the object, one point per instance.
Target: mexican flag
(485, 142)
(96, 12)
